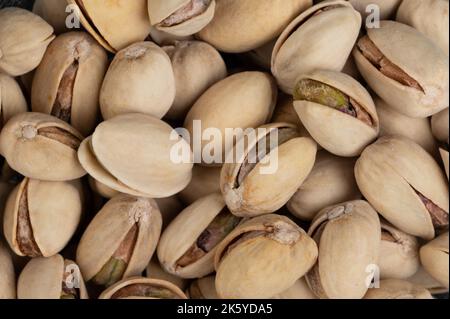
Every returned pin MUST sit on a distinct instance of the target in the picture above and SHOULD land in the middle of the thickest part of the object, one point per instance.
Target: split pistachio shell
(241, 26)
(131, 153)
(155, 271)
(140, 79)
(398, 289)
(424, 279)
(322, 37)
(330, 182)
(444, 155)
(196, 66)
(51, 278)
(54, 12)
(205, 180)
(120, 240)
(12, 100)
(348, 236)
(181, 17)
(387, 8)
(203, 288)
(337, 111)
(255, 186)
(41, 217)
(263, 257)
(115, 24)
(143, 288)
(68, 80)
(405, 185)
(7, 276)
(434, 257)
(440, 125)
(23, 46)
(404, 68)
(41, 146)
(299, 290)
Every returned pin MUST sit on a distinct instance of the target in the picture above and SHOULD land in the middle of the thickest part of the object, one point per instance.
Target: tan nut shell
(140, 79)
(387, 8)
(398, 289)
(416, 55)
(24, 37)
(299, 290)
(155, 271)
(12, 100)
(163, 38)
(444, 155)
(440, 125)
(205, 181)
(434, 257)
(42, 278)
(206, 288)
(7, 275)
(54, 12)
(309, 42)
(387, 172)
(262, 267)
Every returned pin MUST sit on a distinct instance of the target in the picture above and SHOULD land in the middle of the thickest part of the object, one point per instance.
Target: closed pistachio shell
(22, 47)
(405, 185)
(434, 257)
(203, 288)
(51, 278)
(348, 236)
(12, 100)
(155, 271)
(405, 68)
(68, 80)
(444, 155)
(322, 37)
(54, 12)
(299, 290)
(344, 104)
(330, 182)
(424, 279)
(398, 289)
(7, 275)
(440, 125)
(143, 288)
(387, 8)
(262, 257)
(205, 180)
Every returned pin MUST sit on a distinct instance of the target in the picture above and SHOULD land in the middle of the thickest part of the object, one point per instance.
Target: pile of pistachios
(101, 100)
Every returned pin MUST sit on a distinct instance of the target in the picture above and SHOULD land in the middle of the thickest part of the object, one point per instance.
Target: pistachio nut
(101, 189)
(12, 100)
(348, 236)
(444, 154)
(322, 37)
(41, 146)
(120, 240)
(397, 289)
(299, 290)
(181, 17)
(263, 257)
(51, 278)
(131, 153)
(41, 217)
(429, 17)
(187, 246)
(205, 180)
(424, 279)
(54, 12)
(440, 125)
(140, 79)
(196, 66)
(68, 80)
(203, 288)
(330, 182)
(115, 24)
(387, 8)
(7, 275)
(163, 38)
(405, 185)
(143, 288)
(23, 46)
(434, 258)
(269, 171)
(404, 68)
(155, 271)
(348, 109)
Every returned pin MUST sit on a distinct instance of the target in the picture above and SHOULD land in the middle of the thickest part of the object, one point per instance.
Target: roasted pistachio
(155, 271)
(203, 288)
(205, 180)
(440, 125)
(54, 12)
(397, 289)
(12, 100)
(434, 258)
(7, 275)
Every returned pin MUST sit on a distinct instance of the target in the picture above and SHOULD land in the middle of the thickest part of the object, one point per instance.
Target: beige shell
(337, 132)
(348, 236)
(102, 239)
(330, 182)
(434, 257)
(12, 100)
(240, 26)
(205, 180)
(440, 125)
(22, 49)
(387, 8)
(7, 275)
(262, 257)
(418, 57)
(140, 79)
(196, 66)
(424, 279)
(68, 80)
(163, 38)
(299, 290)
(134, 281)
(43, 278)
(429, 17)
(398, 289)
(131, 153)
(203, 288)
(44, 213)
(318, 38)
(391, 173)
(54, 12)
(444, 155)
(155, 271)
(109, 21)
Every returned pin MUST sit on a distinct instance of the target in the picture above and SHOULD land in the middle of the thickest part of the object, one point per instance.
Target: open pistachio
(434, 258)
(424, 279)
(322, 37)
(155, 271)
(398, 289)
(24, 37)
(203, 288)
(262, 257)
(120, 240)
(205, 180)
(7, 275)
(68, 80)
(387, 8)
(51, 278)
(12, 100)
(348, 236)
(405, 185)
(404, 68)
(143, 288)
(440, 125)
(268, 172)
(54, 12)
(299, 290)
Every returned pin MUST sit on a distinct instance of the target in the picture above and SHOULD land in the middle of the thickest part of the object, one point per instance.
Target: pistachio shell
(262, 257)
(155, 271)
(321, 37)
(391, 174)
(444, 155)
(205, 181)
(440, 125)
(7, 276)
(424, 279)
(54, 12)
(434, 257)
(12, 100)
(163, 38)
(23, 46)
(299, 290)
(387, 7)
(203, 288)
(398, 289)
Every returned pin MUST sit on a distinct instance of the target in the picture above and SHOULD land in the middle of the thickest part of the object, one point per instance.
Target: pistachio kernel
(144, 290)
(191, 10)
